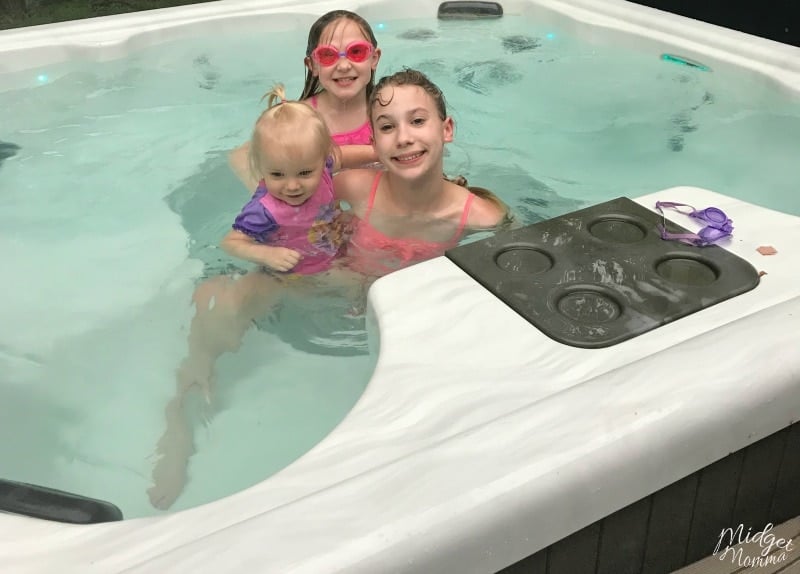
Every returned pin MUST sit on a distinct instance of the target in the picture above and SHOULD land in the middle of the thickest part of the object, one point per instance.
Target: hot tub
(479, 441)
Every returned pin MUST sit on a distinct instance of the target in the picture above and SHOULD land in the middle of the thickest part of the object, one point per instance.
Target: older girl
(409, 213)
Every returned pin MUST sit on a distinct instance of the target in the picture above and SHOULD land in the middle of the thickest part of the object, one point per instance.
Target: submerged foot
(174, 449)
(176, 445)
(170, 471)
(169, 479)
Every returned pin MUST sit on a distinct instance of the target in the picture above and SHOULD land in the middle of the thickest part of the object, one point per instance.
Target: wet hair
(289, 124)
(312, 85)
(409, 77)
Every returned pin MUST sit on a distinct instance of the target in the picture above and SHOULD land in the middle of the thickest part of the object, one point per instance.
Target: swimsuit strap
(464, 215)
(374, 189)
(462, 223)
(313, 100)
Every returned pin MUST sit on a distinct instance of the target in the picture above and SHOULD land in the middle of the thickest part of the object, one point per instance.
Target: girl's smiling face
(409, 134)
(292, 173)
(344, 79)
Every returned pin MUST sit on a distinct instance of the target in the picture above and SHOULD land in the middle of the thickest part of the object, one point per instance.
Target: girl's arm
(353, 185)
(353, 156)
(239, 161)
(243, 246)
(248, 240)
(357, 156)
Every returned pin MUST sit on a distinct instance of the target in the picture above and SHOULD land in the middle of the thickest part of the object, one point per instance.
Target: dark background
(773, 19)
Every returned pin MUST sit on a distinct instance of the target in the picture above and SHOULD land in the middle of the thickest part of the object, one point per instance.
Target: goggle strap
(712, 235)
(660, 204)
(687, 238)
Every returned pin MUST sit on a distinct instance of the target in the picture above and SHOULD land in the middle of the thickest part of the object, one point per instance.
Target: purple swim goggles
(719, 225)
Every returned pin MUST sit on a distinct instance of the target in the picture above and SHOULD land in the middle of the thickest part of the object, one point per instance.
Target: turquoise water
(115, 193)
(544, 118)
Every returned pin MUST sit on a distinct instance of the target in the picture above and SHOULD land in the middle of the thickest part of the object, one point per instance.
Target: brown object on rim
(767, 250)
(762, 273)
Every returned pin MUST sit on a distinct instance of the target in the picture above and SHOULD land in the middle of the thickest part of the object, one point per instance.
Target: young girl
(341, 57)
(409, 213)
(291, 224)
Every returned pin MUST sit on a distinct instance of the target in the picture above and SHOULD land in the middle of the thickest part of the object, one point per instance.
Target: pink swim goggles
(326, 55)
(718, 225)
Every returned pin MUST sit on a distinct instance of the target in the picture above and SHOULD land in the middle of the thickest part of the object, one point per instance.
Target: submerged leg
(224, 310)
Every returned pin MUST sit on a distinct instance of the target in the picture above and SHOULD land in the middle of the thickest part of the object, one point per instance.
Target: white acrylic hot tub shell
(479, 440)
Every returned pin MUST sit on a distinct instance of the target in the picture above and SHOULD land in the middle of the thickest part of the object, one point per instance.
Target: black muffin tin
(601, 275)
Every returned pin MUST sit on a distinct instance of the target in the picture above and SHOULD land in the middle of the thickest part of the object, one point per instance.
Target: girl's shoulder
(487, 209)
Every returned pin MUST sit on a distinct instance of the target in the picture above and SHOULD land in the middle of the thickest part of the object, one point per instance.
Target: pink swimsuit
(360, 136)
(373, 253)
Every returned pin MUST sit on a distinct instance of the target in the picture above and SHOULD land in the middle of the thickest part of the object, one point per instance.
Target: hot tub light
(684, 61)
(550, 35)
(381, 26)
(41, 78)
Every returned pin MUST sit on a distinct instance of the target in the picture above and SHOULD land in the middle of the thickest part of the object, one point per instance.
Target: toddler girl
(292, 223)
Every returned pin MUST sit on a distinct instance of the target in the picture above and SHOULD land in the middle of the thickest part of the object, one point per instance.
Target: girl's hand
(245, 247)
(280, 258)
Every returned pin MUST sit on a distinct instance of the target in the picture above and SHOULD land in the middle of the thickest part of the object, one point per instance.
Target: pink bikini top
(372, 253)
(360, 136)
